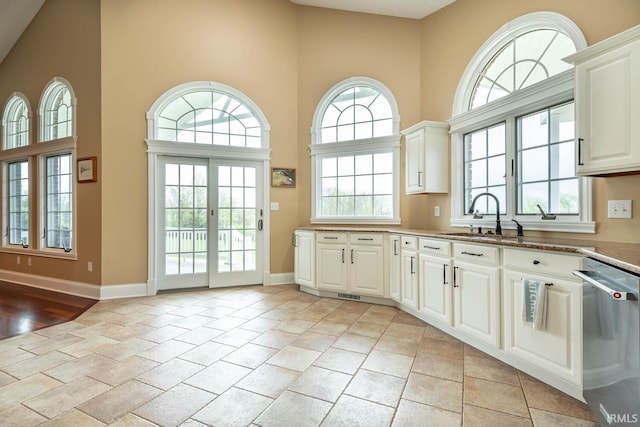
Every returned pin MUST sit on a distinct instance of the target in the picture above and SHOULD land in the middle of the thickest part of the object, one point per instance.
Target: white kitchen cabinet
(351, 263)
(409, 288)
(427, 157)
(304, 258)
(607, 102)
(435, 284)
(395, 268)
(476, 291)
(557, 349)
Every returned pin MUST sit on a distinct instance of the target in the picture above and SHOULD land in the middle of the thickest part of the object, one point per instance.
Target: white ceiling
(15, 15)
(416, 9)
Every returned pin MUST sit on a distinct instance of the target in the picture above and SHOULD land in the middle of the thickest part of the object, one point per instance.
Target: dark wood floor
(24, 309)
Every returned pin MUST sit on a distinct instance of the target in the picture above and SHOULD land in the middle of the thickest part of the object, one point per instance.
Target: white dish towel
(534, 306)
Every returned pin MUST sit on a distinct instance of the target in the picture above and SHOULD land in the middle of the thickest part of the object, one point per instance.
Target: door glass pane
(185, 213)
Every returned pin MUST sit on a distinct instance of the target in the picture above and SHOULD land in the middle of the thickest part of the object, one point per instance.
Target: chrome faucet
(473, 204)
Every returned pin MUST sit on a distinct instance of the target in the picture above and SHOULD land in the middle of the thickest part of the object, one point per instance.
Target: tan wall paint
(63, 40)
(151, 46)
(450, 38)
(336, 45)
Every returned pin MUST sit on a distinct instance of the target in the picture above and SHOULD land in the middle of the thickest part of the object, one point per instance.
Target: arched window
(513, 128)
(57, 111)
(15, 122)
(208, 114)
(355, 154)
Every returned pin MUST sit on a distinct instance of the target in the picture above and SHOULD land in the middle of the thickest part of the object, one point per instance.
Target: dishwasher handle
(616, 295)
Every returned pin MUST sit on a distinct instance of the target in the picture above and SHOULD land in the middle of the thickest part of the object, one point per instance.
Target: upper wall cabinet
(427, 157)
(607, 99)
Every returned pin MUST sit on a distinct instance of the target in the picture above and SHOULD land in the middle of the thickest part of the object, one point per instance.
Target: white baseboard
(281, 279)
(127, 290)
(79, 289)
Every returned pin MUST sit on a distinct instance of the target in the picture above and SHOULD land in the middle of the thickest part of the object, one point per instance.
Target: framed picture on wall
(283, 177)
(88, 169)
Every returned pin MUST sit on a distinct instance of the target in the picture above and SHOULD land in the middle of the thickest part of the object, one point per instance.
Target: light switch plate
(275, 206)
(619, 209)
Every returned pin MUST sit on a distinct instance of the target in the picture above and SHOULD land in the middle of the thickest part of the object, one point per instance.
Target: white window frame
(552, 91)
(13, 98)
(318, 151)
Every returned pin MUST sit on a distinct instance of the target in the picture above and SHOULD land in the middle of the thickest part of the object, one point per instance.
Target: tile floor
(263, 356)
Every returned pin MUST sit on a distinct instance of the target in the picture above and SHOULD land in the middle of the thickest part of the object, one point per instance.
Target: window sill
(364, 221)
(557, 225)
(39, 253)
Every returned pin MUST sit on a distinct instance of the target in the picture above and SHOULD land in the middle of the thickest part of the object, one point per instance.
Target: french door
(210, 219)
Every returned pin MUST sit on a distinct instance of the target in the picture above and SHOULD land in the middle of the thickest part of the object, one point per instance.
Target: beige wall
(63, 40)
(151, 46)
(450, 38)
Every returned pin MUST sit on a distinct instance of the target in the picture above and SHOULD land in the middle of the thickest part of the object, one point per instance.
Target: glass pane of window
(59, 214)
(18, 196)
(16, 125)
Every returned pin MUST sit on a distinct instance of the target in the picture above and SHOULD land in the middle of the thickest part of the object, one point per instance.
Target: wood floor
(24, 309)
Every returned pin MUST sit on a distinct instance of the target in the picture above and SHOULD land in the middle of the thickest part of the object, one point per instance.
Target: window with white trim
(355, 155)
(56, 158)
(513, 129)
(15, 122)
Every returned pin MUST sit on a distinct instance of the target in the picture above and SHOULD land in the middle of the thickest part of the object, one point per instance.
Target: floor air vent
(349, 296)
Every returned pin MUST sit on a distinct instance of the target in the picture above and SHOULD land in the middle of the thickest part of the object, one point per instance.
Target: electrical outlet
(275, 206)
(29, 261)
(18, 260)
(436, 211)
(619, 209)
(90, 266)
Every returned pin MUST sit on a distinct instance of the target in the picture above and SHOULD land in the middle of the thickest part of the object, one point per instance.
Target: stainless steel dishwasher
(611, 343)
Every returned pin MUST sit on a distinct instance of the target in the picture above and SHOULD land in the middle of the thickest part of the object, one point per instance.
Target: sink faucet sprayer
(473, 203)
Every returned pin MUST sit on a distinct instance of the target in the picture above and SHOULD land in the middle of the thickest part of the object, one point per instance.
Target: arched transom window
(526, 59)
(16, 122)
(205, 116)
(56, 112)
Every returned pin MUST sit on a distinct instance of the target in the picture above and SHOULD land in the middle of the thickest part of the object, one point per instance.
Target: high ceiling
(15, 15)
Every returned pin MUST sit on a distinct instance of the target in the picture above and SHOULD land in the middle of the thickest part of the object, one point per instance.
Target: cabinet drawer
(409, 242)
(366, 238)
(331, 237)
(541, 262)
(435, 247)
(489, 255)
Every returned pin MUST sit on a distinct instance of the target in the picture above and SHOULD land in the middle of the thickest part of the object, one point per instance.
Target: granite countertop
(622, 255)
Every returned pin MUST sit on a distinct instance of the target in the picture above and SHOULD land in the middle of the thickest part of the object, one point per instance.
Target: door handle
(351, 256)
(455, 284)
(412, 270)
(444, 274)
(259, 225)
(580, 151)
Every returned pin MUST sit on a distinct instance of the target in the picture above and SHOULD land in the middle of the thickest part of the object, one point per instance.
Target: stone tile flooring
(263, 356)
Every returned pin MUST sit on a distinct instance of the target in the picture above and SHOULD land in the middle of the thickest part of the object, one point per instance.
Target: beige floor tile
(199, 335)
(175, 406)
(188, 310)
(278, 314)
(124, 371)
(407, 319)
(18, 341)
(131, 420)
(192, 322)
(167, 351)
(384, 362)
(125, 349)
(355, 307)
(275, 339)
(344, 361)
(439, 366)
(376, 387)
(321, 383)
(541, 396)
(250, 355)
(260, 324)
(6, 379)
(314, 341)
(21, 416)
(383, 309)
(161, 320)
(295, 358)
(548, 419)
(268, 380)
(340, 316)
(295, 326)
(434, 391)
(33, 365)
(218, 377)
(475, 416)
(401, 345)
(66, 397)
(442, 347)
(14, 355)
(17, 392)
(293, 409)
(329, 328)
(88, 346)
(207, 353)
(236, 337)
(233, 408)
(58, 330)
(313, 315)
(78, 368)
(52, 344)
(381, 319)
(367, 329)
(416, 414)
(170, 374)
(402, 330)
(164, 333)
(226, 323)
(353, 342)
(247, 313)
(74, 418)
(351, 411)
(497, 396)
(119, 401)
(490, 369)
